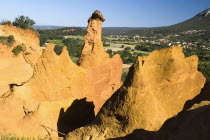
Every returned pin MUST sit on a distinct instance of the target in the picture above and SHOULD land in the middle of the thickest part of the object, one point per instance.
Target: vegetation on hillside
(198, 22)
(7, 40)
(193, 35)
(148, 47)
(59, 34)
(9, 136)
(74, 47)
(71, 37)
(204, 67)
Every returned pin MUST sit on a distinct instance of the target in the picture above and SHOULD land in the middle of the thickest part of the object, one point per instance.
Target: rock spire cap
(97, 14)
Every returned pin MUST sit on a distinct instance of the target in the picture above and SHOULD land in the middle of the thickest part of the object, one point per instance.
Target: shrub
(7, 22)
(8, 40)
(27, 53)
(17, 49)
(9, 136)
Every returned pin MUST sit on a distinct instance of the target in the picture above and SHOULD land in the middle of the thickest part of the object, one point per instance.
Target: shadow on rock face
(77, 115)
(138, 134)
(203, 96)
(188, 124)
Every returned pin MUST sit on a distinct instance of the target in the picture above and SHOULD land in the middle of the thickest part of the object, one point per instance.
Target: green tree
(109, 51)
(58, 49)
(23, 22)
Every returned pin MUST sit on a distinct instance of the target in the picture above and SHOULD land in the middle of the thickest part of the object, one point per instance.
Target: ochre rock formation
(13, 70)
(191, 123)
(44, 83)
(55, 78)
(56, 116)
(45, 117)
(41, 93)
(47, 120)
(50, 88)
(155, 90)
(32, 123)
(17, 69)
(104, 72)
(93, 53)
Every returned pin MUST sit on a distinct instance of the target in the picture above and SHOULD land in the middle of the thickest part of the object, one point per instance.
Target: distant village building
(136, 37)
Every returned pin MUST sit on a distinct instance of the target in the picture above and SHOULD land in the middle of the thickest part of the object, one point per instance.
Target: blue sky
(118, 13)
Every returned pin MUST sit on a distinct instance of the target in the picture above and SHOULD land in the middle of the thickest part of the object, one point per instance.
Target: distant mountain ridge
(201, 21)
(47, 27)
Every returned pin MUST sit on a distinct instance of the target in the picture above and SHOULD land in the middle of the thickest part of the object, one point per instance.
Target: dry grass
(8, 136)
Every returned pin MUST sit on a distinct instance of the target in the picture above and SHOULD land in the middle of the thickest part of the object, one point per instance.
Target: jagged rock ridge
(155, 90)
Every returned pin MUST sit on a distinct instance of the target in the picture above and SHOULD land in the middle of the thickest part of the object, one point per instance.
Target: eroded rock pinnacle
(97, 14)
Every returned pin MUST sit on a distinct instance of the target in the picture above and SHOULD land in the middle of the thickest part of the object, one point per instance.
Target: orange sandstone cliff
(17, 69)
